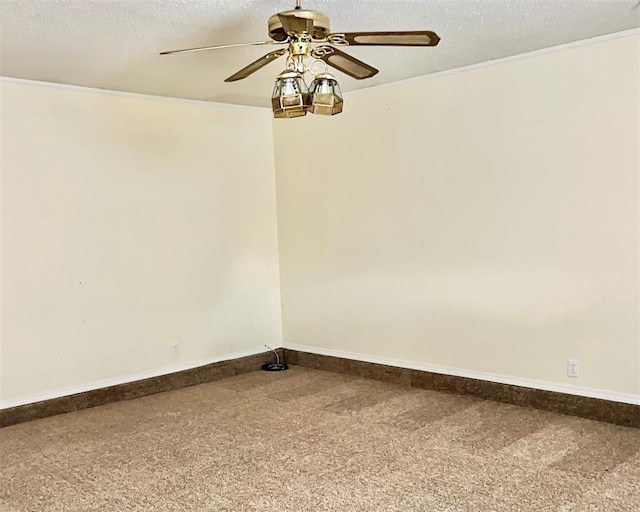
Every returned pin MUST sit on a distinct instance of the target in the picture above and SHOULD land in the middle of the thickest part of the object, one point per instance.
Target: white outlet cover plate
(573, 368)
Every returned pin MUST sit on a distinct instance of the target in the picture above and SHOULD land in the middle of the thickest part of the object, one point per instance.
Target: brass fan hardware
(310, 48)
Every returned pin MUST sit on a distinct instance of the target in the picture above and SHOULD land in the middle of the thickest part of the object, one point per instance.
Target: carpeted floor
(306, 441)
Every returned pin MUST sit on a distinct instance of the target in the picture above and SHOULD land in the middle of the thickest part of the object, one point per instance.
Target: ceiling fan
(309, 42)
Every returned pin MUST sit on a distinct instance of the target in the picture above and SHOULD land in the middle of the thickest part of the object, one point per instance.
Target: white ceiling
(114, 44)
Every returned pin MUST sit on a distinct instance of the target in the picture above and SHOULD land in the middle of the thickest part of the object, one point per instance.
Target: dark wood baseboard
(585, 407)
(574, 405)
(135, 389)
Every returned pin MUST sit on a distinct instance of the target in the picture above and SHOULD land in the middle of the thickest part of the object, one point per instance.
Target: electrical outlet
(573, 368)
(175, 350)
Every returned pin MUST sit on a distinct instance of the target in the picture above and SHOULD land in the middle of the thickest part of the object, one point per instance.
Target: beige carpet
(307, 440)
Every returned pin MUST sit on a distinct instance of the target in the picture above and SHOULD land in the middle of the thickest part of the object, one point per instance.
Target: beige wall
(130, 223)
(484, 221)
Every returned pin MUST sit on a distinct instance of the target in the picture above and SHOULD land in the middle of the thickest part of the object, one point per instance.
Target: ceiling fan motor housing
(320, 24)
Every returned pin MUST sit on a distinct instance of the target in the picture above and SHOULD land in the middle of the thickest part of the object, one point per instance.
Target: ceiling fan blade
(398, 38)
(218, 47)
(256, 65)
(344, 62)
(291, 23)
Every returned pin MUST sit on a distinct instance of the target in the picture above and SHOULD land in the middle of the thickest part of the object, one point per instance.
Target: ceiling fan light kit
(291, 98)
(310, 48)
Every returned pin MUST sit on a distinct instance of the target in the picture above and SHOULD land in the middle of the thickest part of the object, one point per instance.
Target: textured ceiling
(114, 44)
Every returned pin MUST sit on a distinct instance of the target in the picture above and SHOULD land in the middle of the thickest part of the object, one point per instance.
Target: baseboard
(136, 386)
(599, 405)
(471, 374)
(106, 383)
(615, 408)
